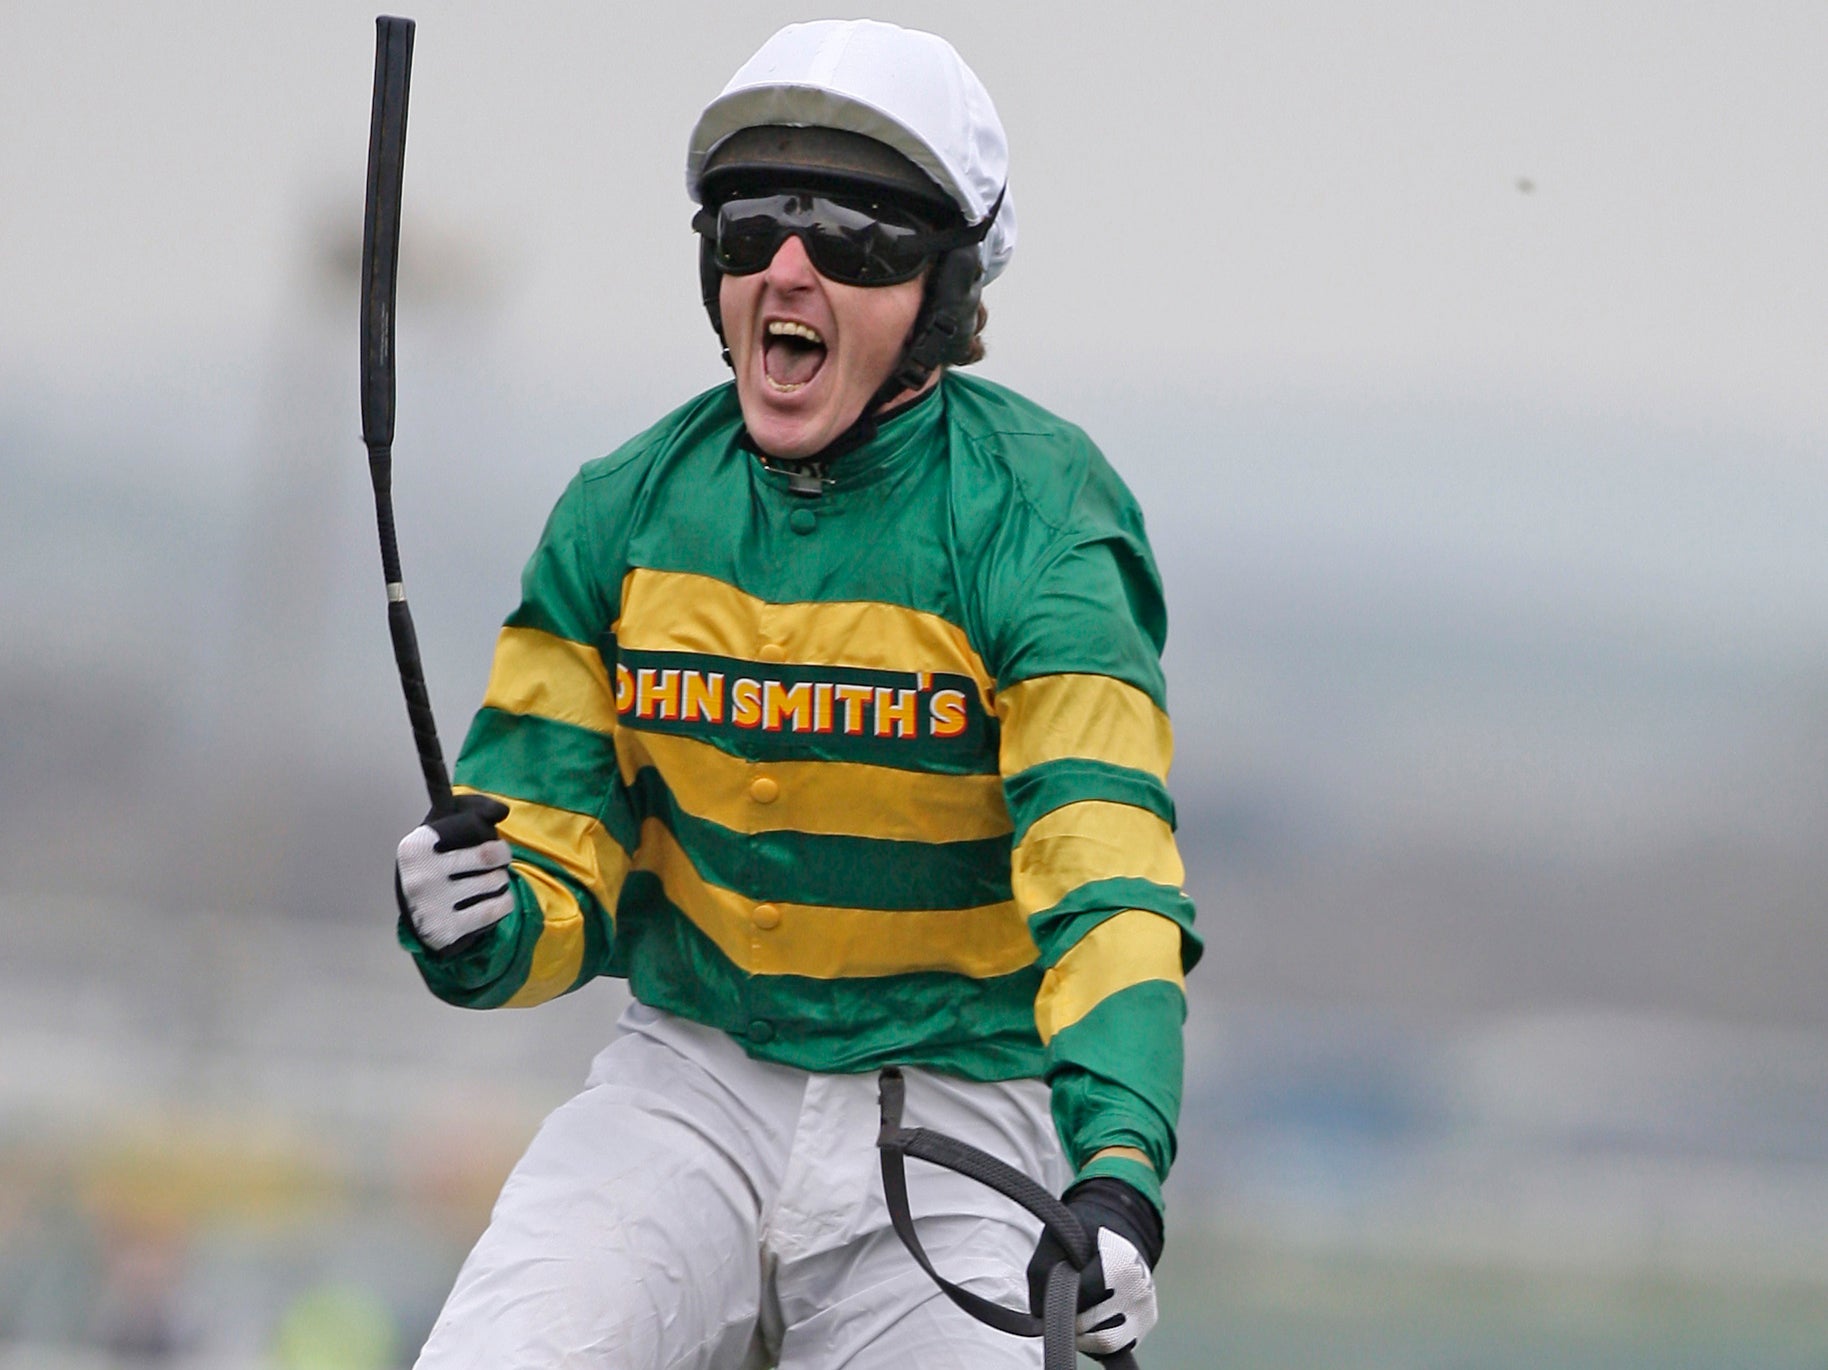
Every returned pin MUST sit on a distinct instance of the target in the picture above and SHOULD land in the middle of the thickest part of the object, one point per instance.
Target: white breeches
(695, 1208)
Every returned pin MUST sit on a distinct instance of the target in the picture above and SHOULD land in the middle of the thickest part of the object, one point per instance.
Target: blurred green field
(1227, 1306)
(310, 1274)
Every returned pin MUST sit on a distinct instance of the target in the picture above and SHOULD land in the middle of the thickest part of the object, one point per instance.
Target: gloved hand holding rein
(451, 873)
(1116, 1289)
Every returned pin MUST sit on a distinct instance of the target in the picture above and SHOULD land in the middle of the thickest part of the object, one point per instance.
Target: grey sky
(1619, 207)
(1467, 361)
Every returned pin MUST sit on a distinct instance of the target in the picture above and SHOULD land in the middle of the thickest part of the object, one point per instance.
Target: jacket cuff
(1138, 1175)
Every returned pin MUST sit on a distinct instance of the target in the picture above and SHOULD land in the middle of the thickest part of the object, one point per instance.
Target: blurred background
(1468, 362)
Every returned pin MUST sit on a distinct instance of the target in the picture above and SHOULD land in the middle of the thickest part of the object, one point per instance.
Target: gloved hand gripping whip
(451, 874)
(393, 61)
(1056, 1325)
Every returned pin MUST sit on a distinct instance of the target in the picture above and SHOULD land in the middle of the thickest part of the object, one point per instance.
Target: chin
(782, 439)
(789, 436)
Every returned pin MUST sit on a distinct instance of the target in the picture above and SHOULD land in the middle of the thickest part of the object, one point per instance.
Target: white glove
(451, 873)
(1126, 1317)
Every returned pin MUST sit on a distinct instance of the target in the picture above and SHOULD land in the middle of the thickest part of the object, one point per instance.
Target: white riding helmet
(901, 87)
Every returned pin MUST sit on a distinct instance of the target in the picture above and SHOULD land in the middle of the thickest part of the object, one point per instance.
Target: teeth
(783, 328)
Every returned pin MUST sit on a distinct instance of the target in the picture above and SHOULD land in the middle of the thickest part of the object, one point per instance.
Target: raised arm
(543, 744)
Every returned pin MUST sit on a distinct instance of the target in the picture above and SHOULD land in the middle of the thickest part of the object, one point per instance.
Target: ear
(710, 286)
(965, 313)
(942, 331)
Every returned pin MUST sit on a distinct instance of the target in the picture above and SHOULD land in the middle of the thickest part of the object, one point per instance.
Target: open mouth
(792, 354)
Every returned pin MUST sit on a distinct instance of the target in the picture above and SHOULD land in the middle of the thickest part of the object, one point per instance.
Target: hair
(974, 347)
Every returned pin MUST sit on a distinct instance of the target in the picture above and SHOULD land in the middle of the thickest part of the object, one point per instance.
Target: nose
(791, 266)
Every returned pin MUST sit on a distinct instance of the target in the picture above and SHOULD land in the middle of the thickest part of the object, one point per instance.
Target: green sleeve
(1086, 748)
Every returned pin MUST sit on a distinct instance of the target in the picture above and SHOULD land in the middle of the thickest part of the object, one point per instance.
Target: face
(809, 352)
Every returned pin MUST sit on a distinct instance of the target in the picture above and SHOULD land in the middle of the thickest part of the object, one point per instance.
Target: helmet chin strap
(942, 329)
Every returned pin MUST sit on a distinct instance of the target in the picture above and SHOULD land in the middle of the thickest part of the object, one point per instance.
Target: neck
(906, 397)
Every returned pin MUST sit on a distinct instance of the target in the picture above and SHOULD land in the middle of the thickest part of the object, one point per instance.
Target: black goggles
(853, 242)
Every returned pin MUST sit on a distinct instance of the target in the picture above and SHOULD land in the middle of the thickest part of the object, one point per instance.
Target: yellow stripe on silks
(832, 943)
(1130, 949)
(1096, 717)
(676, 611)
(1091, 840)
(537, 673)
(558, 956)
(574, 842)
(838, 798)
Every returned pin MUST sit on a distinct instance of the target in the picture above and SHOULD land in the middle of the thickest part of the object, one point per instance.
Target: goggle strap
(968, 236)
(981, 228)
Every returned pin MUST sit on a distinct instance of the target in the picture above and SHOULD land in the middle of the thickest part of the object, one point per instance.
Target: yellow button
(764, 790)
(766, 916)
(772, 651)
